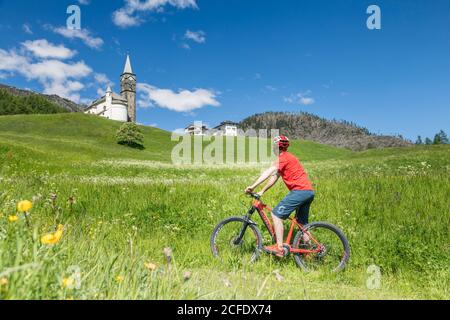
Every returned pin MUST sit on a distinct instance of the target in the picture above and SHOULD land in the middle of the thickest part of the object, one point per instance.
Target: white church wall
(100, 108)
(119, 113)
(107, 114)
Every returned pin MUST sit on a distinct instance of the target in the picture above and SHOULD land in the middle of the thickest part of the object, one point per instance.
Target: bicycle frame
(260, 207)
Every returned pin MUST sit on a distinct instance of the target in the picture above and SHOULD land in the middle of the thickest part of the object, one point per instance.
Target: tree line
(439, 138)
(32, 104)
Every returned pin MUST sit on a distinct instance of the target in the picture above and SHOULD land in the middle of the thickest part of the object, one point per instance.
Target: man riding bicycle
(301, 194)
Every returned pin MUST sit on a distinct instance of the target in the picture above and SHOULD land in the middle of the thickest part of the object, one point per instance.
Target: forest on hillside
(306, 126)
(32, 104)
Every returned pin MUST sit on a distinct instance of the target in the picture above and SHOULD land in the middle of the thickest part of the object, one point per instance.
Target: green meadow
(121, 208)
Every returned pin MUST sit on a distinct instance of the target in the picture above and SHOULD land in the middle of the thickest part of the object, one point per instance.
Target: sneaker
(273, 249)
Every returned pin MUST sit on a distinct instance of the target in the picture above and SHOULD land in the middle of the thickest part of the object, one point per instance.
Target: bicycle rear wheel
(331, 244)
(236, 241)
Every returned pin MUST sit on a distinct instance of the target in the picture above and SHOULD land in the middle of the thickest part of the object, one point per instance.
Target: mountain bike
(316, 246)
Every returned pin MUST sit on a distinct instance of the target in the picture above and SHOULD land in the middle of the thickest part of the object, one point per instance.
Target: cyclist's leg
(281, 212)
(302, 212)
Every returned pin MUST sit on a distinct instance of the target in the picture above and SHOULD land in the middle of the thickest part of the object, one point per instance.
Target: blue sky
(215, 60)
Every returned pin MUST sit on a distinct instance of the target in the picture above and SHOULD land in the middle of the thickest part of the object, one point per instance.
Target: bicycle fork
(247, 222)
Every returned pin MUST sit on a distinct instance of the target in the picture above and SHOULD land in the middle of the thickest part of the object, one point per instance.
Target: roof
(128, 68)
(193, 125)
(227, 123)
(116, 98)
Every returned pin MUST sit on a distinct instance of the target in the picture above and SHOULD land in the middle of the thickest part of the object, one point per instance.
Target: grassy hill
(121, 207)
(80, 136)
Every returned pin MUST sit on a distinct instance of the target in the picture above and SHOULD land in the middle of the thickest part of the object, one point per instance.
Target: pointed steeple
(108, 90)
(128, 89)
(127, 68)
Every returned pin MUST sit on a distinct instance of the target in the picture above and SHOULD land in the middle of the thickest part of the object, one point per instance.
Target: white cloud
(55, 70)
(185, 46)
(307, 101)
(68, 89)
(27, 28)
(84, 2)
(196, 36)
(12, 61)
(44, 49)
(124, 20)
(83, 34)
(103, 79)
(328, 85)
(130, 14)
(271, 88)
(101, 92)
(181, 101)
(57, 77)
(302, 98)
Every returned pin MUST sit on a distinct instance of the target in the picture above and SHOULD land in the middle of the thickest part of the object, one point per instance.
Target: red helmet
(282, 142)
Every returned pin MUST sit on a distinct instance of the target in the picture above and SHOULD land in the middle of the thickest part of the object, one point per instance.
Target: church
(118, 107)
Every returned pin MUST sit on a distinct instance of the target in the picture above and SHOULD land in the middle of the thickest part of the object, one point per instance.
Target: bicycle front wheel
(236, 241)
(328, 246)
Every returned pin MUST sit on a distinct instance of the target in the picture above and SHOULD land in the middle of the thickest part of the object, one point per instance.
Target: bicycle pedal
(273, 253)
(286, 250)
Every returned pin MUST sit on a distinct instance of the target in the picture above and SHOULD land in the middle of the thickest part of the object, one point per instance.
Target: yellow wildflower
(3, 281)
(13, 218)
(150, 266)
(67, 282)
(24, 206)
(120, 279)
(53, 238)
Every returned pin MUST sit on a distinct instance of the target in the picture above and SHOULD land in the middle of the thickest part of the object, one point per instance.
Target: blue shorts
(299, 200)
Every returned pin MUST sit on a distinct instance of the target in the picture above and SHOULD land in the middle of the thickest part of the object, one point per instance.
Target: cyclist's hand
(248, 190)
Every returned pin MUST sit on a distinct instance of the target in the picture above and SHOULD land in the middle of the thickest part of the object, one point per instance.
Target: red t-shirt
(292, 172)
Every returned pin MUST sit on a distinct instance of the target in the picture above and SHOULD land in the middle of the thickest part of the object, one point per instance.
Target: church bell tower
(128, 89)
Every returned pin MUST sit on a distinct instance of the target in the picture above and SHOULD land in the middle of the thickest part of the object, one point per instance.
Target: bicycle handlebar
(254, 195)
